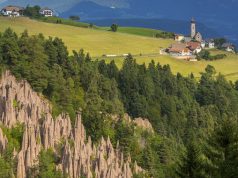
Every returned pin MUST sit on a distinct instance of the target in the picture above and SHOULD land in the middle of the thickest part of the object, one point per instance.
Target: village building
(187, 39)
(193, 28)
(194, 34)
(228, 47)
(195, 47)
(198, 37)
(179, 49)
(179, 37)
(46, 12)
(211, 44)
(203, 44)
(12, 11)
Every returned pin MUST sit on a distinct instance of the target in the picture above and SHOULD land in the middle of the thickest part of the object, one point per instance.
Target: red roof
(13, 8)
(193, 45)
(179, 47)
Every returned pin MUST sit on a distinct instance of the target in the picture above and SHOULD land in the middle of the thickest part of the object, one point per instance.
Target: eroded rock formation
(3, 141)
(142, 123)
(20, 104)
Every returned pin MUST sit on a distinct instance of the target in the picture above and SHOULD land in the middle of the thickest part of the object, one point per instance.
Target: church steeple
(193, 28)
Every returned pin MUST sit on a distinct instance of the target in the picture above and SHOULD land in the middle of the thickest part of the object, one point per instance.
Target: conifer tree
(221, 150)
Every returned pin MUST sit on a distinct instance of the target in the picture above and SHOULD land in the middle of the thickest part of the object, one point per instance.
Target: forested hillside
(195, 122)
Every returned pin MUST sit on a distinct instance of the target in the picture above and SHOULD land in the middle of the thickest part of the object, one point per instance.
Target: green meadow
(99, 41)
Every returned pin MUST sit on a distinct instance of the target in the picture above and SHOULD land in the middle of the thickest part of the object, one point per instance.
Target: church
(194, 34)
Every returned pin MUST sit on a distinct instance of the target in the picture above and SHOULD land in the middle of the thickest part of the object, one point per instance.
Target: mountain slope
(92, 10)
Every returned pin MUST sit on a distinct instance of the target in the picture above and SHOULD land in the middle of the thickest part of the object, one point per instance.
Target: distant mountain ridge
(216, 14)
(91, 10)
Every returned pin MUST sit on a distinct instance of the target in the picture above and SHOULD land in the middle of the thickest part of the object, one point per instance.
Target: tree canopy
(195, 122)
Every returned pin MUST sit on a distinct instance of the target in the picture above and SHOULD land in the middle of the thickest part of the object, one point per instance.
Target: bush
(33, 12)
(205, 54)
(164, 35)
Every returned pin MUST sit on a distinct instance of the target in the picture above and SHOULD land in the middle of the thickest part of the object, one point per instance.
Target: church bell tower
(193, 28)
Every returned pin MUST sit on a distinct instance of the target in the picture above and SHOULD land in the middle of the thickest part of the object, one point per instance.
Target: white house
(12, 11)
(46, 12)
(203, 44)
(211, 44)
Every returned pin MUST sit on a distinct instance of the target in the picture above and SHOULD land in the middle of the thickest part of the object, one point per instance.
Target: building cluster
(186, 50)
(16, 11)
(186, 47)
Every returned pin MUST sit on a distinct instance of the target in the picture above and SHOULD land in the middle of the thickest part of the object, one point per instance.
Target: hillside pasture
(96, 42)
(227, 66)
(99, 42)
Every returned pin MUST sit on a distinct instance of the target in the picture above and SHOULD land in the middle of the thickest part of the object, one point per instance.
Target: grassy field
(65, 22)
(136, 31)
(99, 42)
(227, 66)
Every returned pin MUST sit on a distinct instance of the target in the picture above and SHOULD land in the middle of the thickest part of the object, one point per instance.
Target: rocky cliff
(80, 157)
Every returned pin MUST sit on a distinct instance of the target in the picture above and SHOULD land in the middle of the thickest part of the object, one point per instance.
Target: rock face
(144, 124)
(3, 141)
(80, 157)
(138, 122)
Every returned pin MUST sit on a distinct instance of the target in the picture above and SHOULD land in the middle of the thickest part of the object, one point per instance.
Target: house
(12, 11)
(211, 44)
(46, 12)
(179, 49)
(228, 47)
(195, 47)
(179, 37)
(203, 44)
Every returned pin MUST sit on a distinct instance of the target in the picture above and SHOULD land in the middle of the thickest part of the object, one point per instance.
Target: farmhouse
(195, 47)
(12, 11)
(179, 49)
(47, 12)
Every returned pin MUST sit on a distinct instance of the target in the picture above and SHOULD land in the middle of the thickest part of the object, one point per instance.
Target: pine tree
(221, 150)
(190, 165)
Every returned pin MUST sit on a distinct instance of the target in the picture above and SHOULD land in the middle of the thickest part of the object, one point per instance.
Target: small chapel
(194, 34)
